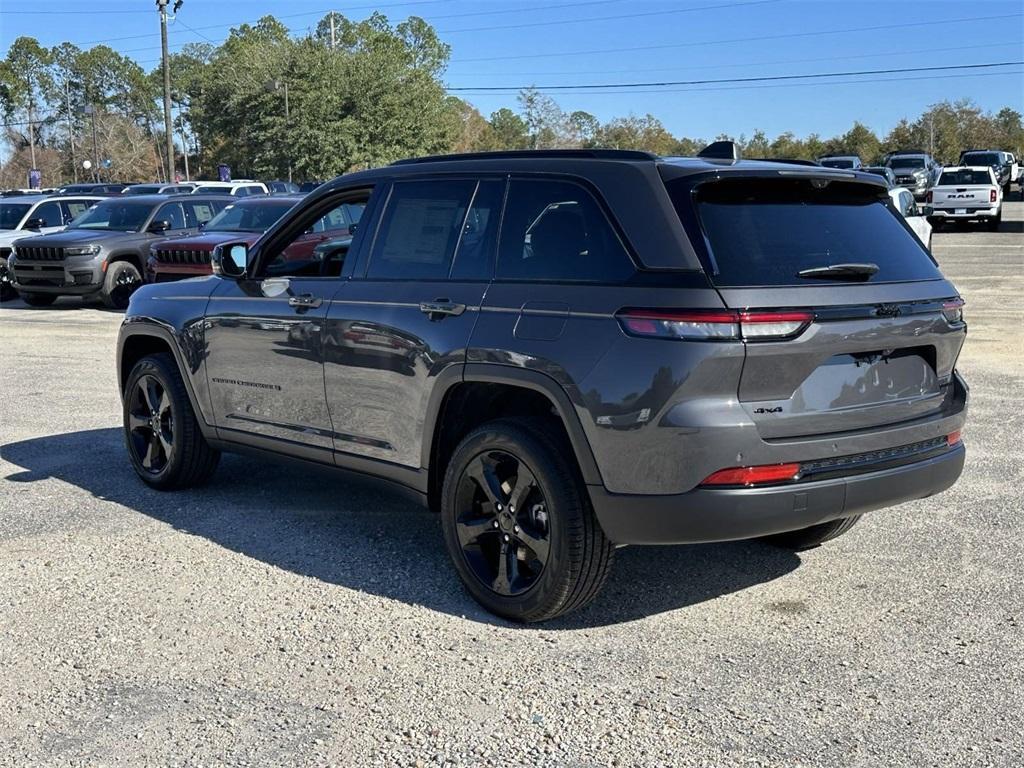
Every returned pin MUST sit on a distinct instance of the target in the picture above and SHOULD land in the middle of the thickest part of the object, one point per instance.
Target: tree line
(345, 96)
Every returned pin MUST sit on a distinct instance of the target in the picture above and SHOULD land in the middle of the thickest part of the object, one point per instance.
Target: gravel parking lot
(280, 618)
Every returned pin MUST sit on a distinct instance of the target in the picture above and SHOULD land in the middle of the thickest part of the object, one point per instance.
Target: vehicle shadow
(361, 537)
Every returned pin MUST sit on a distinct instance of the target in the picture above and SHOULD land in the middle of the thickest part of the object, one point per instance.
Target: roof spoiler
(720, 150)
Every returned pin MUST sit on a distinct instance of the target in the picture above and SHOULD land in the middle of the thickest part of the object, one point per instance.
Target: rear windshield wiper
(840, 272)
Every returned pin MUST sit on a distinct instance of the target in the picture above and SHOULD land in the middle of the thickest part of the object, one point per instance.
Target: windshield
(11, 214)
(764, 231)
(114, 216)
(248, 218)
(907, 162)
(957, 178)
(831, 162)
(980, 158)
(152, 189)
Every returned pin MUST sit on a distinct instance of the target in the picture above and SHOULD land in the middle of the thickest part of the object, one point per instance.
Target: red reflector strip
(776, 317)
(953, 438)
(770, 473)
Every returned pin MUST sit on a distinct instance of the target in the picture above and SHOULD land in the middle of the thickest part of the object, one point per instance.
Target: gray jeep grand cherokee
(565, 351)
(103, 252)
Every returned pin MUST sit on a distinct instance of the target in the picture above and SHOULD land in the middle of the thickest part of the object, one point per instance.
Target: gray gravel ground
(282, 618)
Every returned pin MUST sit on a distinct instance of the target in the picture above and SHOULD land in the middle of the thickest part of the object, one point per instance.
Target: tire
(992, 225)
(7, 291)
(181, 457)
(121, 281)
(554, 508)
(38, 299)
(815, 535)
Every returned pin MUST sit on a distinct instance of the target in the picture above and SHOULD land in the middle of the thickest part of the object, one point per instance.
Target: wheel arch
(478, 395)
(133, 257)
(140, 338)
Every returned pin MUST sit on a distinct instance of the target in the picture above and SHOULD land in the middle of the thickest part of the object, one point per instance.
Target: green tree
(510, 130)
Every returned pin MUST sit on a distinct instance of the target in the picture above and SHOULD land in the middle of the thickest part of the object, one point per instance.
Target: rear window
(956, 178)
(760, 232)
(829, 162)
(981, 158)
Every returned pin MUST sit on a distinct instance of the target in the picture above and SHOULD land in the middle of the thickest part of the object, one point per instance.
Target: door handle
(438, 308)
(305, 301)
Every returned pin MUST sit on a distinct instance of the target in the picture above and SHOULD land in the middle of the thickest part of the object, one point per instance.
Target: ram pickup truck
(967, 193)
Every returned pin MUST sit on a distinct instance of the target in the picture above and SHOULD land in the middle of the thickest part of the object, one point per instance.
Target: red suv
(243, 221)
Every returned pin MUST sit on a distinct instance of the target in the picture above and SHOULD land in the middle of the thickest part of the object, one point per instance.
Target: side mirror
(159, 226)
(35, 224)
(230, 260)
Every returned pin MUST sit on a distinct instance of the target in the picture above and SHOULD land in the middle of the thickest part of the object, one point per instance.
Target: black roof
(539, 154)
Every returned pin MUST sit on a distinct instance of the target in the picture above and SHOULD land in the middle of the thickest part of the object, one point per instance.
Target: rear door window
(73, 208)
(419, 229)
(556, 231)
(763, 232)
(199, 212)
(957, 178)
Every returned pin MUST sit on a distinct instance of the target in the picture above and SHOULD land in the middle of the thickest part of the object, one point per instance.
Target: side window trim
(492, 262)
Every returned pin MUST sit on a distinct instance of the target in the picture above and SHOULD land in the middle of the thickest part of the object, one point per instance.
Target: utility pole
(184, 143)
(288, 121)
(168, 130)
(31, 128)
(332, 30)
(71, 128)
(90, 109)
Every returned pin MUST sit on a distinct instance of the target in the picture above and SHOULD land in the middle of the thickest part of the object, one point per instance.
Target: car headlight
(82, 250)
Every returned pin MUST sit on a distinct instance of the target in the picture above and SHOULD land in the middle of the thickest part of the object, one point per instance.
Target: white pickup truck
(966, 193)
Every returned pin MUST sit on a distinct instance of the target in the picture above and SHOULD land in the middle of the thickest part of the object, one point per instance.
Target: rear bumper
(969, 213)
(706, 515)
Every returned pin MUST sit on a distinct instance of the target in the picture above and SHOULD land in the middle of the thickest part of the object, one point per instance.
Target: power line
(377, 7)
(721, 41)
(723, 65)
(716, 81)
(749, 87)
(612, 18)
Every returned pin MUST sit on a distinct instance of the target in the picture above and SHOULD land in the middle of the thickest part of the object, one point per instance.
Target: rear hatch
(964, 188)
(872, 341)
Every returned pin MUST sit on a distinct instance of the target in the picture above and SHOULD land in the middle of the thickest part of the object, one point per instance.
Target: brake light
(768, 473)
(953, 311)
(991, 195)
(928, 196)
(713, 325)
(953, 438)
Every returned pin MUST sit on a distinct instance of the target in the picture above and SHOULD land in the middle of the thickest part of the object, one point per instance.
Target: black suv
(565, 351)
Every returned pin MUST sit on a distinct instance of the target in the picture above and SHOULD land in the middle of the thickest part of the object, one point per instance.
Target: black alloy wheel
(151, 425)
(502, 522)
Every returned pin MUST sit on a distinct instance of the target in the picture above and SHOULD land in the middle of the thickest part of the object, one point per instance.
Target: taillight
(953, 311)
(768, 473)
(713, 325)
(991, 195)
(928, 196)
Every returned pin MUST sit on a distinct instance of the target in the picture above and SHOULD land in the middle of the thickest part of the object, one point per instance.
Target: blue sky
(503, 43)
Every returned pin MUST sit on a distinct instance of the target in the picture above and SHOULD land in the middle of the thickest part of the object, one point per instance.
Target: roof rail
(720, 150)
(787, 160)
(595, 154)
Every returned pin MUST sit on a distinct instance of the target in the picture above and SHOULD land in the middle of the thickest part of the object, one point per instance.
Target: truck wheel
(120, 283)
(807, 538)
(166, 447)
(38, 299)
(518, 523)
(6, 288)
(993, 224)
